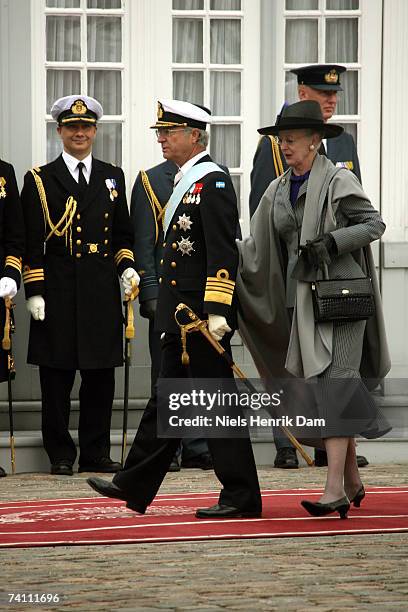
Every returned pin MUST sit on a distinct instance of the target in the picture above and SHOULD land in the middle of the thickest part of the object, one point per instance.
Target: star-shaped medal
(184, 222)
(185, 246)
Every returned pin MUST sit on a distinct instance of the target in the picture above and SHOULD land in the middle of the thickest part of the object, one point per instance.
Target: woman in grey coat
(275, 295)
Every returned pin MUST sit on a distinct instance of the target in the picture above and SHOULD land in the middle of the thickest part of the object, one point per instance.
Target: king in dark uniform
(198, 268)
(79, 243)
(11, 251)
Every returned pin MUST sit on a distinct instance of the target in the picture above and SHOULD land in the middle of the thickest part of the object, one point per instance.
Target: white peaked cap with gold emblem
(180, 113)
(74, 108)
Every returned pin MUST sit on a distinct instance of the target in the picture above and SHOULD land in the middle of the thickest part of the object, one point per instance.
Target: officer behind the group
(319, 82)
(199, 267)
(150, 194)
(11, 252)
(78, 243)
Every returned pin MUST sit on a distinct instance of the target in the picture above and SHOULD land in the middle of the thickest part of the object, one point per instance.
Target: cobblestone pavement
(324, 574)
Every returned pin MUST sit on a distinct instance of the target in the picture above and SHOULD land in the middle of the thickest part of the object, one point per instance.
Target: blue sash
(192, 176)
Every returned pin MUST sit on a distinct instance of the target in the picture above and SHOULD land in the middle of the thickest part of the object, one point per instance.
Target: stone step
(31, 457)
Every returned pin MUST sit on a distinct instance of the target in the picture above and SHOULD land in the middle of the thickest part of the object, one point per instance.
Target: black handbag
(349, 299)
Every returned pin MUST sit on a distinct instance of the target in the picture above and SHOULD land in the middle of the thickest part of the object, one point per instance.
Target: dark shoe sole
(62, 472)
(98, 470)
(286, 467)
(228, 516)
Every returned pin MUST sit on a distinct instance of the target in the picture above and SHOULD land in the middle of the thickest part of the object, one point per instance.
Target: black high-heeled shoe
(358, 497)
(341, 506)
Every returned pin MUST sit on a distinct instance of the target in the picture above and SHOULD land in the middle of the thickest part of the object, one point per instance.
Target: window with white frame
(84, 54)
(326, 31)
(207, 70)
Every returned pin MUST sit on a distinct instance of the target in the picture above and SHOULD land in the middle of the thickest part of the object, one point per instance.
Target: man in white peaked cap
(79, 243)
(199, 265)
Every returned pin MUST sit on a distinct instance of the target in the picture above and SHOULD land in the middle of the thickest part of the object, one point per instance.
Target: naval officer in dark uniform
(199, 266)
(319, 82)
(79, 243)
(150, 194)
(11, 251)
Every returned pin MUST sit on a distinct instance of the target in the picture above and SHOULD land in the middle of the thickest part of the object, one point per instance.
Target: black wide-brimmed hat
(303, 115)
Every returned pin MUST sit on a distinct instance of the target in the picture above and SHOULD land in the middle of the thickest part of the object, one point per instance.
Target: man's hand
(8, 287)
(36, 306)
(217, 326)
(148, 309)
(126, 278)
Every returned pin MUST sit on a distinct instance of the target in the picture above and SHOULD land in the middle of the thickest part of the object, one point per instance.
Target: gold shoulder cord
(67, 217)
(277, 160)
(153, 201)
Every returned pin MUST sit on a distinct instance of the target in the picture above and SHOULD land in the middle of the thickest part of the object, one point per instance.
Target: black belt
(89, 248)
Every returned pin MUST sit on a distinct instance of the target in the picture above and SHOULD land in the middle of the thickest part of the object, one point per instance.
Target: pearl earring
(312, 147)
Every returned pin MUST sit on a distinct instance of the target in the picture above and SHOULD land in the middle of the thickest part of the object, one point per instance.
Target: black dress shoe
(62, 468)
(201, 462)
(175, 464)
(286, 458)
(341, 506)
(2, 473)
(109, 489)
(362, 461)
(103, 465)
(321, 459)
(223, 511)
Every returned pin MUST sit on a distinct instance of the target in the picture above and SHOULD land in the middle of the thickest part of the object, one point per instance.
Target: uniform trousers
(190, 448)
(95, 410)
(149, 457)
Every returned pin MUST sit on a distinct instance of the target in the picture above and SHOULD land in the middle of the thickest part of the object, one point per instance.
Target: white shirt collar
(190, 163)
(72, 164)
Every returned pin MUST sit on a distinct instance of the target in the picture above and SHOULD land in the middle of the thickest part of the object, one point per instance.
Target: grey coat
(303, 348)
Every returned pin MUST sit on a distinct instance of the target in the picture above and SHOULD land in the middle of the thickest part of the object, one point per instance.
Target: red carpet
(99, 520)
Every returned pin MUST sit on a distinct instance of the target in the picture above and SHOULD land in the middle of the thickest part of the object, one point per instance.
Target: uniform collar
(72, 162)
(191, 162)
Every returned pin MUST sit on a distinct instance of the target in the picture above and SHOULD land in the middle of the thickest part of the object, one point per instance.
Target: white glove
(36, 305)
(8, 287)
(126, 279)
(217, 326)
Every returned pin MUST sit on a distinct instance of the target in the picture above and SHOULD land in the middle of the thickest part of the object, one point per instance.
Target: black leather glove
(148, 309)
(320, 251)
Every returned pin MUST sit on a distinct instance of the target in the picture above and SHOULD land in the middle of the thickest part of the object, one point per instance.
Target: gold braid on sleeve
(66, 219)
(277, 160)
(156, 207)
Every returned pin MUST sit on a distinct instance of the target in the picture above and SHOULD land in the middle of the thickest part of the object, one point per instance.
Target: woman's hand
(320, 251)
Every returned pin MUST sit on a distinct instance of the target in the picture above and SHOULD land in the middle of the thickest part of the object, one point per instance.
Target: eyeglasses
(290, 141)
(166, 132)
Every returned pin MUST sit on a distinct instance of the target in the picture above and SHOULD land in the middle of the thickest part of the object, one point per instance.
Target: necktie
(81, 178)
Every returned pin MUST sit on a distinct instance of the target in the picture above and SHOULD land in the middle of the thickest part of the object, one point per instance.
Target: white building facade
(232, 56)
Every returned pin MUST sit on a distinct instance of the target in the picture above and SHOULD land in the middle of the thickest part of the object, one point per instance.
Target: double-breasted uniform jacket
(269, 163)
(200, 257)
(148, 200)
(76, 272)
(11, 240)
